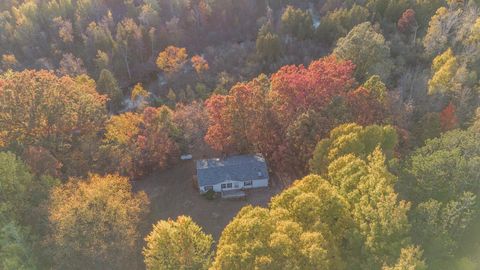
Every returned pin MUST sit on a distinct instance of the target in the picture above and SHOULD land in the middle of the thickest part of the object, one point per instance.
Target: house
(232, 173)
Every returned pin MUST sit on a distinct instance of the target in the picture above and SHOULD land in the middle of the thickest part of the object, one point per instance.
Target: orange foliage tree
(138, 143)
(199, 64)
(172, 59)
(59, 114)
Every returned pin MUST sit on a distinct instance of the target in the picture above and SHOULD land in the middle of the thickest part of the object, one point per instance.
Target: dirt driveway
(172, 194)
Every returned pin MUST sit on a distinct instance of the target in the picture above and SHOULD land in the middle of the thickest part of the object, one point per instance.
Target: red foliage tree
(448, 118)
(407, 21)
(365, 108)
(296, 89)
(282, 118)
(219, 134)
(242, 121)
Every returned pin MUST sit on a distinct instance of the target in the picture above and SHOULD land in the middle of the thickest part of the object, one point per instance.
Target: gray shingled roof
(234, 168)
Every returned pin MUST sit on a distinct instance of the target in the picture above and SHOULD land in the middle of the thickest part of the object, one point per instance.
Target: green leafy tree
(179, 244)
(339, 22)
(15, 183)
(425, 9)
(368, 50)
(278, 238)
(428, 127)
(380, 218)
(21, 222)
(108, 85)
(445, 167)
(268, 43)
(352, 139)
(440, 227)
(297, 23)
(442, 177)
(15, 248)
(376, 87)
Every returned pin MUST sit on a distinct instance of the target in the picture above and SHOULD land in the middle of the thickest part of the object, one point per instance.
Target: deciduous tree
(199, 64)
(108, 85)
(315, 225)
(71, 65)
(95, 223)
(129, 43)
(410, 259)
(38, 108)
(352, 139)
(268, 43)
(339, 22)
(367, 49)
(439, 228)
(172, 59)
(445, 167)
(448, 118)
(178, 244)
(139, 97)
(297, 23)
(15, 249)
(407, 23)
(139, 143)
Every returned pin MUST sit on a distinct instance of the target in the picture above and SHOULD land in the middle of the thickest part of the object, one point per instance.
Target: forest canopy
(366, 112)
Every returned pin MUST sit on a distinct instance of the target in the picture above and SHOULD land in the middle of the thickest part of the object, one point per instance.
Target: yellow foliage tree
(138, 92)
(95, 222)
(172, 59)
(179, 244)
(444, 68)
(122, 128)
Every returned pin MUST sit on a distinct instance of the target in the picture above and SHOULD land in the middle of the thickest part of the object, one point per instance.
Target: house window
(248, 183)
(228, 185)
(207, 188)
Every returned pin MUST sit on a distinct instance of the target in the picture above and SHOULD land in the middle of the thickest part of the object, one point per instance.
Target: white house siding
(260, 183)
(238, 185)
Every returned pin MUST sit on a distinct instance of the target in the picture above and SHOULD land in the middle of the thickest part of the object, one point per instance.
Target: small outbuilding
(232, 173)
